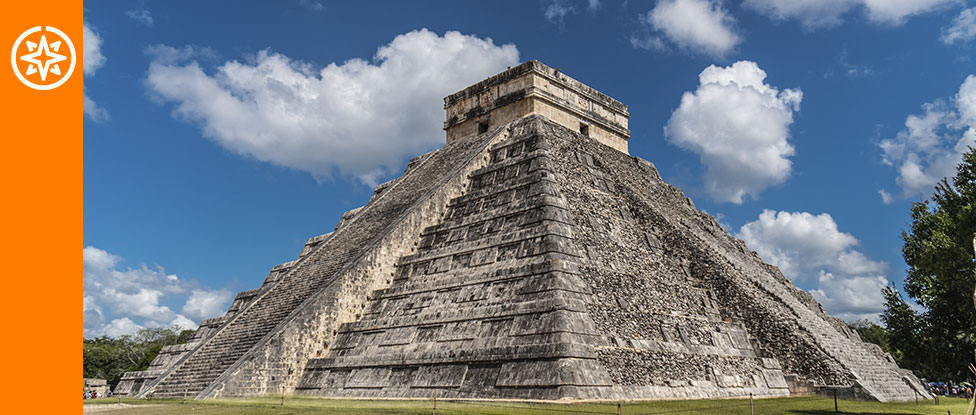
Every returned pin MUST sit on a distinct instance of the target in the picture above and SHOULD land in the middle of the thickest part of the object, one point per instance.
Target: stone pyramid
(530, 258)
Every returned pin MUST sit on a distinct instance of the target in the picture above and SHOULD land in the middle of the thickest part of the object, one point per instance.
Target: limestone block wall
(541, 284)
(500, 116)
(780, 320)
(667, 335)
(581, 98)
(533, 88)
(598, 131)
(489, 306)
(279, 360)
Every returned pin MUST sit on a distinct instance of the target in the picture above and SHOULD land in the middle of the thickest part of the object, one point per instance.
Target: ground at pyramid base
(529, 258)
(272, 405)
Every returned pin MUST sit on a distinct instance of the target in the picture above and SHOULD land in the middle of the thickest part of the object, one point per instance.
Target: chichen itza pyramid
(531, 257)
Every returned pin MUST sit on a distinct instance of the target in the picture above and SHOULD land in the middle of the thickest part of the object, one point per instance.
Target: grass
(301, 405)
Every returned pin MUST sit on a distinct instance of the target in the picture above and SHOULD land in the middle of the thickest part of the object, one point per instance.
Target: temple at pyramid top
(534, 88)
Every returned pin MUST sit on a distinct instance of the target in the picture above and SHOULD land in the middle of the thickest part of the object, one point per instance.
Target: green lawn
(295, 405)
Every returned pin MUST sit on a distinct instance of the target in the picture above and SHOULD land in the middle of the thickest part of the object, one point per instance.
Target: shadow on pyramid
(529, 258)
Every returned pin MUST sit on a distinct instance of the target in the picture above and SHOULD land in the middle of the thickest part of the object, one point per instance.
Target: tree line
(108, 358)
(937, 339)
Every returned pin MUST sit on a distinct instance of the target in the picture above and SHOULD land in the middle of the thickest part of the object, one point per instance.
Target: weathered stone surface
(527, 261)
(536, 89)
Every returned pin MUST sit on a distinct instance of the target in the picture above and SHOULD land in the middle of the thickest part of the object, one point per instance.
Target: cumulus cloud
(120, 327)
(92, 59)
(800, 243)
(120, 300)
(739, 126)
(933, 142)
(696, 26)
(205, 304)
(141, 16)
(851, 298)
(810, 248)
(826, 13)
(361, 118)
(962, 29)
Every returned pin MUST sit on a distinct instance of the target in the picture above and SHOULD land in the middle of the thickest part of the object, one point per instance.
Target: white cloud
(184, 323)
(739, 126)
(91, 312)
(134, 298)
(648, 42)
(119, 327)
(809, 248)
(92, 59)
(359, 118)
(895, 12)
(698, 26)
(93, 111)
(168, 55)
(811, 13)
(141, 16)
(933, 142)
(800, 243)
(826, 13)
(204, 304)
(556, 10)
(886, 197)
(962, 29)
(91, 52)
(851, 298)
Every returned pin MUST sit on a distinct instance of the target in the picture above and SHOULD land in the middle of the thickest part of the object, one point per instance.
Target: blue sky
(219, 136)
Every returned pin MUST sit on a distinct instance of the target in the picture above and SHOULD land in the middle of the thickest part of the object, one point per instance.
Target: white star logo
(45, 65)
(45, 57)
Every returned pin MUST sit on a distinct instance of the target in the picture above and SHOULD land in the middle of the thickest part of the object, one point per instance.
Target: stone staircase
(881, 379)
(231, 343)
(482, 303)
(320, 264)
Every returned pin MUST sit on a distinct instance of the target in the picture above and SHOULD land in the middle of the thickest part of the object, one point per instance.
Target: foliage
(107, 358)
(938, 249)
(871, 333)
(904, 328)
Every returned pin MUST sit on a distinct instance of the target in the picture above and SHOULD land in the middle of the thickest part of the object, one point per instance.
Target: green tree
(905, 337)
(938, 249)
(871, 333)
(108, 358)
